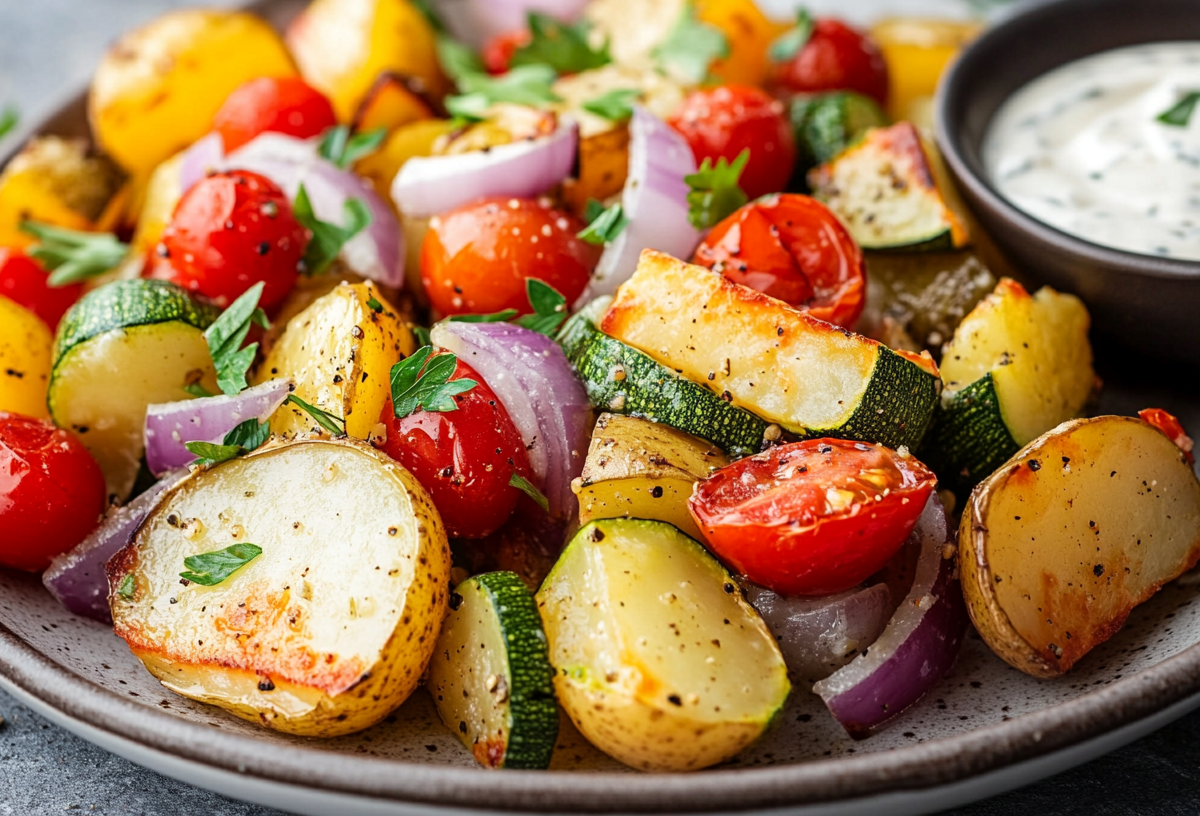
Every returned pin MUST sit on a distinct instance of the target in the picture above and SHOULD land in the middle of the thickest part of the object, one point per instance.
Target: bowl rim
(953, 96)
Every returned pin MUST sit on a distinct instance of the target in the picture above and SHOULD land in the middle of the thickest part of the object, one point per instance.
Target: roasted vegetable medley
(634, 360)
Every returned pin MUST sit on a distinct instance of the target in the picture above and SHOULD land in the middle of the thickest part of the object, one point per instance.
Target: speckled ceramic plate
(986, 728)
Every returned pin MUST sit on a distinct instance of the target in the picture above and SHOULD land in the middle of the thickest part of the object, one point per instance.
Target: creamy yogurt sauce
(1081, 148)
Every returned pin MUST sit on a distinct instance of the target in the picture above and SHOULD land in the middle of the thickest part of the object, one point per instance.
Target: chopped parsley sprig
(342, 148)
(530, 85)
(795, 38)
(328, 238)
(417, 385)
(562, 46)
(245, 437)
(211, 568)
(606, 226)
(690, 48)
(1180, 114)
(225, 337)
(330, 422)
(616, 105)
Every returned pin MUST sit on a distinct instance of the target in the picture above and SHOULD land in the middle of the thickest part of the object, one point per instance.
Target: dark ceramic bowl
(1150, 303)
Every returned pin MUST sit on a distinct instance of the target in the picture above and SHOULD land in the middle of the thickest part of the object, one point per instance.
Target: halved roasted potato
(330, 627)
(640, 469)
(1083, 524)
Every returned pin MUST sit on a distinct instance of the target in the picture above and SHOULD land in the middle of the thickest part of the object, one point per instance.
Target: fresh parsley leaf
(715, 193)
(1181, 113)
(211, 568)
(616, 105)
(73, 256)
(605, 227)
(374, 305)
(562, 46)
(417, 385)
(791, 41)
(457, 59)
(330, 422)
(523, 85)
(524, 485)
(197, 390)
(494, 317)
(328, 239)
(549, 308)
(8, 120)
(125, 590)
(344, 149)
(245, 437)
(593, 210)
(225, 337)
(691, 47)
(421, 334)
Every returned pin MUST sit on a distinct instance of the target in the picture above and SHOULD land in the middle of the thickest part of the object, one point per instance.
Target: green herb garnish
(415, 385)
(691, 47)
(1181, 112)
(562, 46)
(330, 422)
(458, 60)
(715, 193)
(328, 239)
(374, 305)
(524, 485)
(344, 149)
(125, 590)
(225, 337)
(790, 42)
(549, 308)
(8, 120)
(592, 210)
(616, 106)
(606, 226)
(211, 568)
(529, 85)
(494, 317)
(245, 437)
(71, 255)
(421, 334)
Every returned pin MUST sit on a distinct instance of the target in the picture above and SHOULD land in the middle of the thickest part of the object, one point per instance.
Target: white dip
(1082, 149)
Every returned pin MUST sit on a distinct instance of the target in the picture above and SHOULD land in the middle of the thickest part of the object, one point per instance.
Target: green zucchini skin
(533, 706)
(126, 303)
(649, 390)
(826, 124)
(969, 440)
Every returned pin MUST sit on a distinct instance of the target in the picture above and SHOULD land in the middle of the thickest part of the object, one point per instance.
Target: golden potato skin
(25, 345)
(156, 91)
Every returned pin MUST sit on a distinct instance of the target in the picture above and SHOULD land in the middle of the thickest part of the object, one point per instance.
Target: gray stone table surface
(47, 49)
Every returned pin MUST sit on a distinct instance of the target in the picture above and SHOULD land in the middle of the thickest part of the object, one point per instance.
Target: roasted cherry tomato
(793, 248)
(812, 517)
(475, 259)
(464, 458)
(23, 281)
(230, 231)
(499, 50)
(286, 105)
(1169, 425)
(51, 492)
(837, 57)
(724, 121)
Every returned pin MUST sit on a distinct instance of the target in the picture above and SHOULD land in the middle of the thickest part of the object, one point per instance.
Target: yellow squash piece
(25, 345)
(404, 143)
(918, 52)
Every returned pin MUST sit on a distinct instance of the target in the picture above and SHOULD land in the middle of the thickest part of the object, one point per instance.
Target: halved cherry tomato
(475, 259)
(837, 57)
(230, 231)
(1169, 425)
(793, 248)
(499, 50)
(812, 517)
(23, 281)
(464, 458)
(286, 105)
(721, 122)
(52, 492)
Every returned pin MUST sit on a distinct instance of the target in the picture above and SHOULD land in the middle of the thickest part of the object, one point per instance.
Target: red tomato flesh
(836, 57)
(287, 105)
(498, 51)
(1169, 425)
(721, 122)
(793, 248)
(464, 458)
(476, 258)
(230, 231)
(52, 492)
(24, 281)
(812, 517)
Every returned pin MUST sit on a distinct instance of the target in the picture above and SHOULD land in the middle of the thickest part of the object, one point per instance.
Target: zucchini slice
(661, 663)
(1018, 365)
(826, 124)
(622, 380)
(809, 377)
(491, 676)
(122, 347)
(884, 190)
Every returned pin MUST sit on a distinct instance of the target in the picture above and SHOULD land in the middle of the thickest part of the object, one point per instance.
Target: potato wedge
(339, 352)
(330, 627)
(25, 345)
(1083, 524)
(640, 469)
(660, 661)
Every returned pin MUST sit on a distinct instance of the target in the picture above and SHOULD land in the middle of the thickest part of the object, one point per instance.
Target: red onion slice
(531, 376)
(429, 185)
(654, 199)
(77, 578)
(203, 157)
(477, 21)
(171, 424)
(820, 635)
(918, 647)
